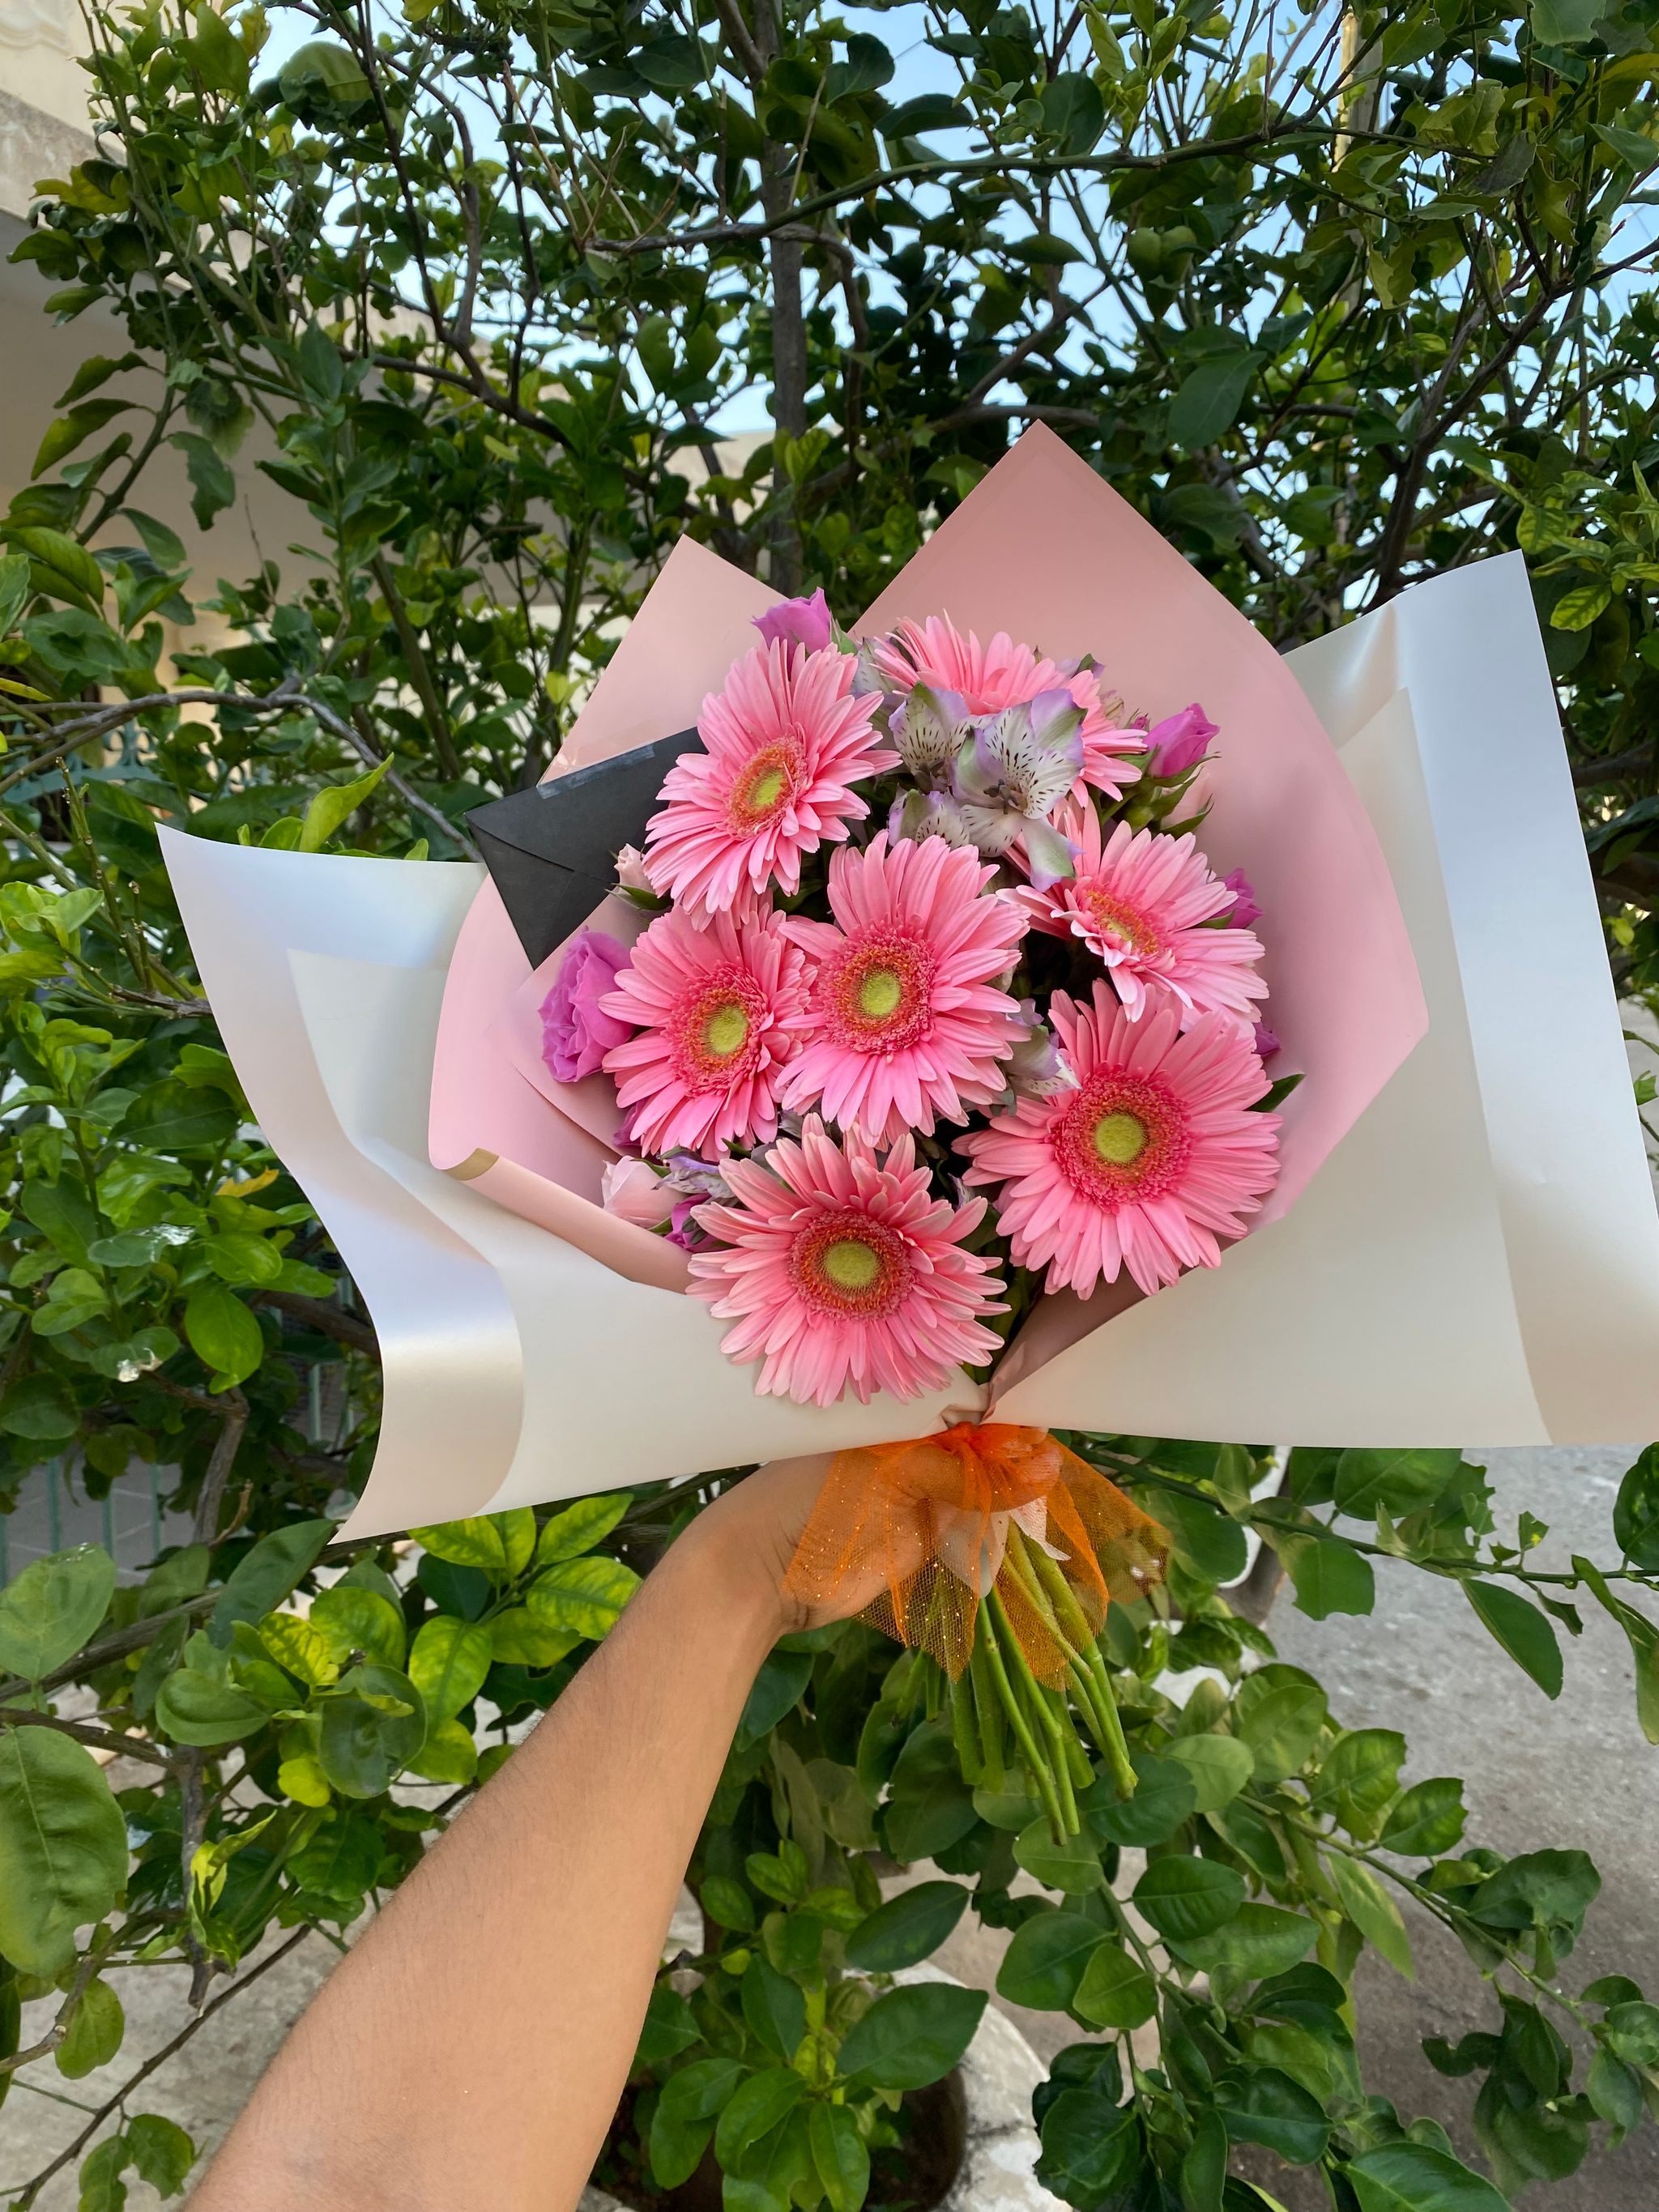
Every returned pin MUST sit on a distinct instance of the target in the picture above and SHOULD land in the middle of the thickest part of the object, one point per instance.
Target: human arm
(469, 2054)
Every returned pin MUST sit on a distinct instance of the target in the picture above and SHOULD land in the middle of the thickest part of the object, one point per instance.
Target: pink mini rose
(798, 622)
(1179, 742)
(631, 870)
(576, 1035)
(634, 1192)
(1244, 910)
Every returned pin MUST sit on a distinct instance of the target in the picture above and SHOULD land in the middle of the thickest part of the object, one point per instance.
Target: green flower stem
(964, 1731)
(1040, 1718)
(988, 1713)
(1035, 1764)
(1047, 1589)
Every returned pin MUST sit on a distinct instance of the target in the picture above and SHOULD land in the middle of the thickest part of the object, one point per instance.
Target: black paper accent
(552, 850)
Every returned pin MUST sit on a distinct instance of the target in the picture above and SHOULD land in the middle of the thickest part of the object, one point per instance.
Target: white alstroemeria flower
(1012, 772)
(930, 728)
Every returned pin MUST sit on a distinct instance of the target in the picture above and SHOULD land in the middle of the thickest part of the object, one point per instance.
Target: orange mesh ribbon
(926, 1525)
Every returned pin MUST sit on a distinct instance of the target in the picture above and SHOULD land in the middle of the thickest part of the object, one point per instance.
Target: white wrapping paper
(1476, 1262)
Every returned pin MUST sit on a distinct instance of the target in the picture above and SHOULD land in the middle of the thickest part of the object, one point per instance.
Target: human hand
(755, 1525)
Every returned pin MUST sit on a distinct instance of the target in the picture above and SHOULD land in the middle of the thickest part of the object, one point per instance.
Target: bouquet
(881, 1035)
(939, 1004)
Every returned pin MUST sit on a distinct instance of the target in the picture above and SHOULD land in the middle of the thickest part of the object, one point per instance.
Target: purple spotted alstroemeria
(1011, 774)
(930, 728)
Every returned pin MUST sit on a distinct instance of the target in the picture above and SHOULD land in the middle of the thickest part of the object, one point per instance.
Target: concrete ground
(1575, 1774)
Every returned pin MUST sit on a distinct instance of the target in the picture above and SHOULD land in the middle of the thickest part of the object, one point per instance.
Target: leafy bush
(477, 294)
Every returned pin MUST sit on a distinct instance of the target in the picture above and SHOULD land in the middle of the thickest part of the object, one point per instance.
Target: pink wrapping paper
(1043, 549)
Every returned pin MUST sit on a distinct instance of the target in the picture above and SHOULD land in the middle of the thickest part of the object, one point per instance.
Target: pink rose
(634, 1192)
(1244, 910)
(631, 870)
(798, 622)
(1179, 742)
(576, 1035)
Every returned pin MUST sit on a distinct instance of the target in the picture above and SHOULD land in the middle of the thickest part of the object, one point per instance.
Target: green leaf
(62, 1847)
(1372, 1911)
(341, 1860)
(331, 806)
(179, 1117)
(1071, 1865)
(356, 1619)
(199, 1705)
(260, 1581)
(61, 557)
(1359, 1778)
(96, 2030)
(1280, 1712)
(775, 1691)
(39, 1407)
(583, 1598)
(223, 1334)
(1366, 1483)
(728, 1904)
(1165, 1795)
(684, 2124)
(1204, 2168)
(580, 1526)
(670, 2028)
(1264, 2106)
(447, 1754)
(1045, 1960)
(1206, 1541)
(839, 2156)
(102, 2189)
(1330, 1576)
(1636, 1513)
(1428, 1819)
(911, 2037)
(212, 486)
(1206, 402)
(1091, 2149)
(361, 1745)
(1563, 23)
(1184, 1898)
(930, 1806)
(1410, 2177)
(448, 1663)
(1219, 1766)
(1260, 1940)
(1578, 608)
(754, 2109)
(160, 2152)
(1523, 1632)
(13, 590)
(477, 1542)
(51, 1608)
(774, 2006)
(520, 1640)
(1644, 1640)
(1114, 1992)
(908, 1927)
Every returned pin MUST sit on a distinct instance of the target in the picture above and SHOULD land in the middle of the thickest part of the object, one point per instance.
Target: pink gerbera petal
(841, 1269)
(905, 1025)
(784, 742)
(721, 1009)
(1157, 1153)
(1006, 673)
(1146, 904)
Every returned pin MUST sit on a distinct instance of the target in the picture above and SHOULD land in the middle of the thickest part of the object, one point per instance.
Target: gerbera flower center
(1129, 930)
(766, 786)
(717, 1038)
(1119, 1138)
(847, 1264)
(879, 991)
(1122, 1137)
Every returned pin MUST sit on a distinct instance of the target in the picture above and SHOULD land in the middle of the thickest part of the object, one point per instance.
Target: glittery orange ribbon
(930, 1521)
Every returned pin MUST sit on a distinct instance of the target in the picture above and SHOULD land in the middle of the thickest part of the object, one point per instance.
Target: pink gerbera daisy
(1155, 1154)
(1006, 673)
(841, 1268)
(784, 742)
(905, 1025)
(720, 1007)
(1140, 903)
